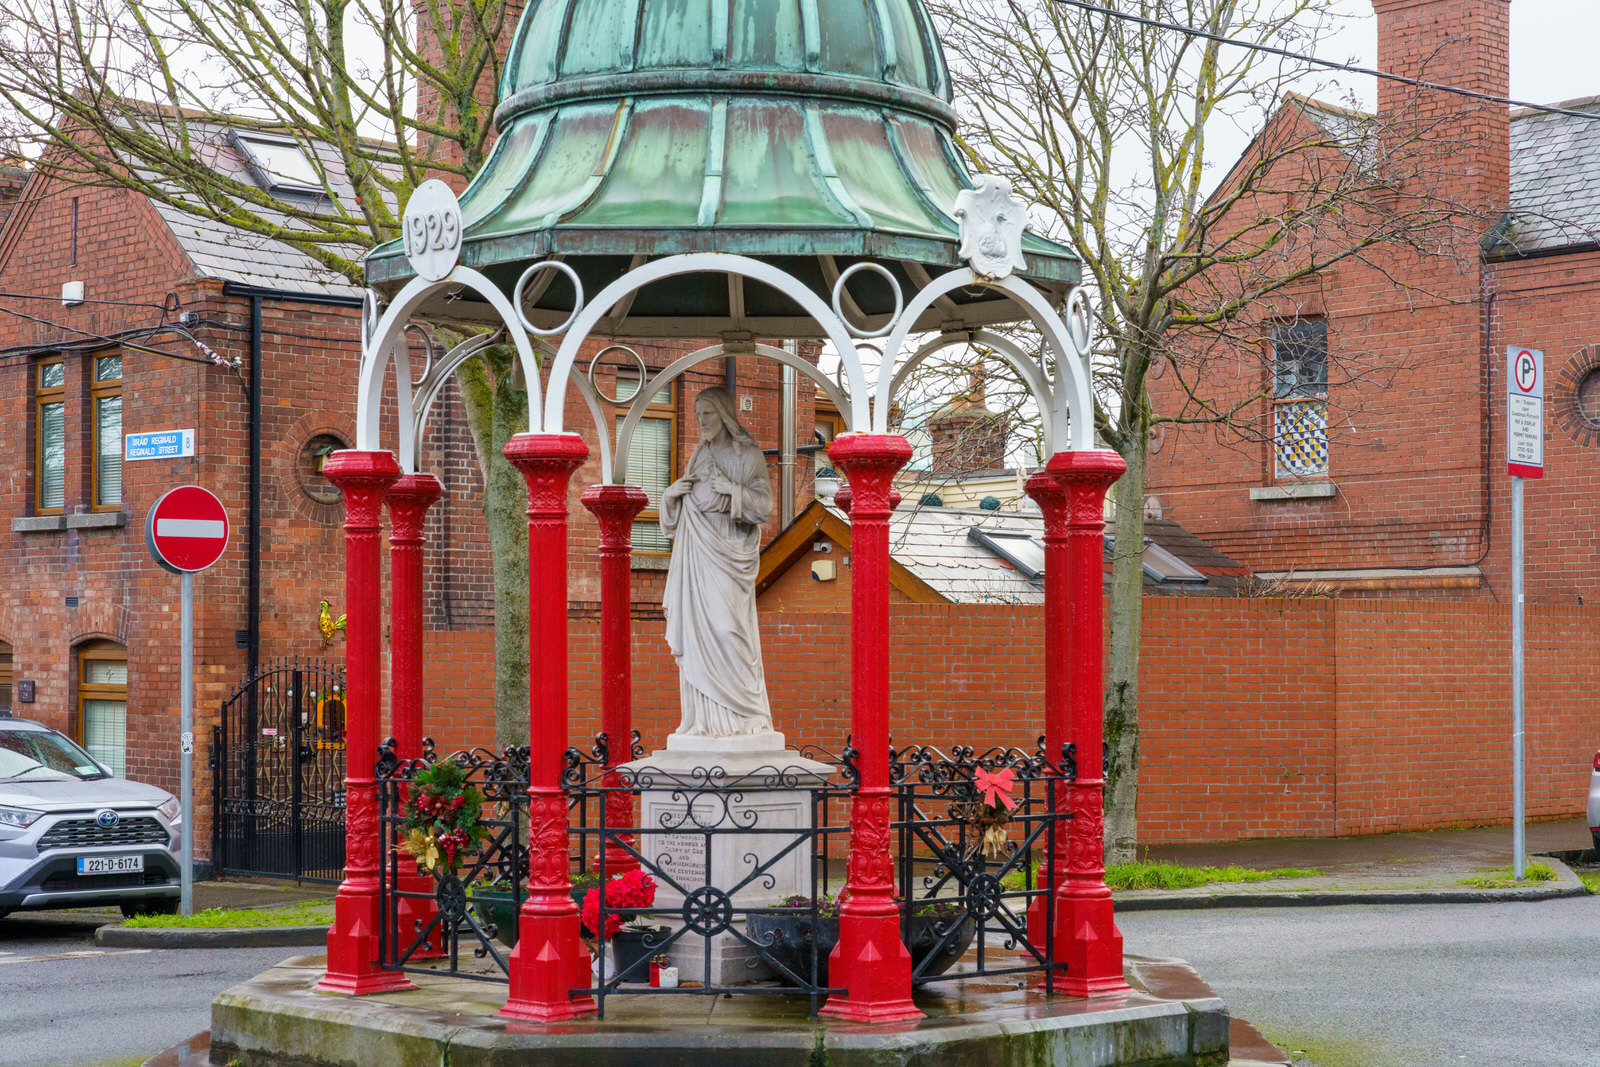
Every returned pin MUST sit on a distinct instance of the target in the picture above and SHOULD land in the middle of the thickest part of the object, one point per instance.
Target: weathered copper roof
(810, 134)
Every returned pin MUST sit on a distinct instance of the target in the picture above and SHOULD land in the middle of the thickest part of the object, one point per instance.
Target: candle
(669, 978)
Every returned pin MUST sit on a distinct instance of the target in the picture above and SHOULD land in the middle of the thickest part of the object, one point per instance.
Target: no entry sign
(187, 529)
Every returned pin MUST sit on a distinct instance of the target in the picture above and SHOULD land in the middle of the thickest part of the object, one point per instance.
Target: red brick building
(123, 316)
(1377, 458)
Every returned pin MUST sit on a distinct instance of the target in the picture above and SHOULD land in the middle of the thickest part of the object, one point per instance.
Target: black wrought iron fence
(747, 869)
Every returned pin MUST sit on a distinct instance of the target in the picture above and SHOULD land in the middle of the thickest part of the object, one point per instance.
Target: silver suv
(72, 835)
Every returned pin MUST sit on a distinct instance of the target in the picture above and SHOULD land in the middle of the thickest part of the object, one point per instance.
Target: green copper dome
(811, 134)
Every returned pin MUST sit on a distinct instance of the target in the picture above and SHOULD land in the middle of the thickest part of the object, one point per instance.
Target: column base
(872, 964)
(1086, 940)
(547, 964)
(353, 949)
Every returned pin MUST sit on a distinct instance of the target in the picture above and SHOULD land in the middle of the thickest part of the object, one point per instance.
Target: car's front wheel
(149, 907)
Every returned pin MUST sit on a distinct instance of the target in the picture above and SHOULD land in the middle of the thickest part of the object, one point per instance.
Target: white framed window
(103, 704)
(652, 459)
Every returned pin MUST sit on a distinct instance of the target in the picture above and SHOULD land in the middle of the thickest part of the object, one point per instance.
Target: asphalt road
(1487, 985)
(66, 1002)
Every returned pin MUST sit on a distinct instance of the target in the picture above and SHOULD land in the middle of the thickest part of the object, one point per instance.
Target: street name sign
(187, 529)
(1524, 412)
(159, 444)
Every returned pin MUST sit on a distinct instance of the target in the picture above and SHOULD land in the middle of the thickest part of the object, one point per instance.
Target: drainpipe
(786, 446)
(253, 653)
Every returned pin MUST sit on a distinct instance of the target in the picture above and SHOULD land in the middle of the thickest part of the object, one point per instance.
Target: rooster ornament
(328, 624)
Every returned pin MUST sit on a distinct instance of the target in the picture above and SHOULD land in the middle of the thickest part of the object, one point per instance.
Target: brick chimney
(1463, 43)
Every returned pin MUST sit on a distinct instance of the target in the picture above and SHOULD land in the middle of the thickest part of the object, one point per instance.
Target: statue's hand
(722, 484)
(679, 488)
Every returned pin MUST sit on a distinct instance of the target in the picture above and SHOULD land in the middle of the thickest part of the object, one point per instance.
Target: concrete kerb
(116, 935)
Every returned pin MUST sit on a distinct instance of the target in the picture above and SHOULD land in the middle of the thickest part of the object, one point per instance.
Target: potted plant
(496, 906)
(791, 936)
(827, 484)
(633, 890)
(632, 947)
(927, 926)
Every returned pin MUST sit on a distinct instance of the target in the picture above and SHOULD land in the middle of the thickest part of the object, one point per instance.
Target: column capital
(408, 501)
(870, 461)
(1085, 477)
(362, 478)
(546, 461)
(615, 507)
(1052, 500)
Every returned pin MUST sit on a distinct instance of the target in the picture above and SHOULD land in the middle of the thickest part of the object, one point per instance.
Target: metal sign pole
(1518, 834)
(186, 743)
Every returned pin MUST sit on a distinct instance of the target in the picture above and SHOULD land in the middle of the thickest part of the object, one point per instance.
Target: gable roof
(934, 559)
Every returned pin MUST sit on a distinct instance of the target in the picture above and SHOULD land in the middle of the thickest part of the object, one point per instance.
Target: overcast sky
(1552, 48)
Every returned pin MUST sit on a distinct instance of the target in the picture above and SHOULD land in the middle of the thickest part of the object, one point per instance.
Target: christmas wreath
(443, 817)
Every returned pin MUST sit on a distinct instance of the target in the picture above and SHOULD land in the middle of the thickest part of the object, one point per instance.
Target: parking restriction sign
(1524, 412)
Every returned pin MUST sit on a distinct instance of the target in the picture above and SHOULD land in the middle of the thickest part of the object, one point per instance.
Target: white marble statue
(991, 222)
(714, 515)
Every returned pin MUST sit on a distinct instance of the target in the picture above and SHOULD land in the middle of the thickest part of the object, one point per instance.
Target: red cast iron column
(1093, 946)
(549, 960)
(870, 961)
(615, 506)
(1052, 501)
(408, 501)
(363, 478)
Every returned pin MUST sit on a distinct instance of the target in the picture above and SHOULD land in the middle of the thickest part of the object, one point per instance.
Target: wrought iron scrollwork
(388, 761)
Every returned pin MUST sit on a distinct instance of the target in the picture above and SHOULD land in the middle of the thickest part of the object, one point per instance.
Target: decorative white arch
(385, 342)
(1033, 375)
(1069, 399)
(696, 263)
(675, 369)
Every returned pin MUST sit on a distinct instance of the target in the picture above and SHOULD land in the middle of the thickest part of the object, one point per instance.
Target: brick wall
(1260, 718)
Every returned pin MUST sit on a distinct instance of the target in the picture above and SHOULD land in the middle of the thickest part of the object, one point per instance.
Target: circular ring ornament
(428, 343)
(452, 900)
(432, 230)
(984, 896)
(707, 911)
(1080, 320)
(522, 284)
(644, 373)
(838, 291)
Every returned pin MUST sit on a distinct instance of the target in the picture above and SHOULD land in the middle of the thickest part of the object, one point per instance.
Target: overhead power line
(1326, 64)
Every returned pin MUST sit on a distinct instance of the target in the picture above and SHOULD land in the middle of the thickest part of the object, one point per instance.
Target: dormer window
(278, 164)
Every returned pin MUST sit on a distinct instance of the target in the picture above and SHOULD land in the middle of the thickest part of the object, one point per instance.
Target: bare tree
(1102, 124)
(378, 94)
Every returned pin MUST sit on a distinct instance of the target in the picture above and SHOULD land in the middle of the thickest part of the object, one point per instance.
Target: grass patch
(1500, 877)
(1173, 876)
(307, 913)
(1590, 880)
(1148, 875)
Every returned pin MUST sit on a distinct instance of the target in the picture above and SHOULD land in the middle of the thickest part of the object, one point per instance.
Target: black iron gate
(278, 774)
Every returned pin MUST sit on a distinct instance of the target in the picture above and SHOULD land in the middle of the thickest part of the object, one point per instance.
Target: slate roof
(227, 253)
(934, 545)
(1555, 199)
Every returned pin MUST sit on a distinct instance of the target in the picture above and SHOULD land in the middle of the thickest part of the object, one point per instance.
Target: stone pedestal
(692, 794)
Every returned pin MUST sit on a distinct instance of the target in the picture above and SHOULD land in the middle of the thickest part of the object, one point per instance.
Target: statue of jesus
(714, 515)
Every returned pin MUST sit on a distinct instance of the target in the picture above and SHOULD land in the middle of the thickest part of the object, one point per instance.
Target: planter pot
(789, 939)
(926, 932)
(498, 910)
(632, 949)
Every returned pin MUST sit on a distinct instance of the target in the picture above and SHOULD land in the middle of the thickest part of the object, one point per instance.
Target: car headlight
(170, 808)
(18, 818)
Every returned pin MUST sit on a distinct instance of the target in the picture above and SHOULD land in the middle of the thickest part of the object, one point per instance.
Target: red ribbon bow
(995, 788)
